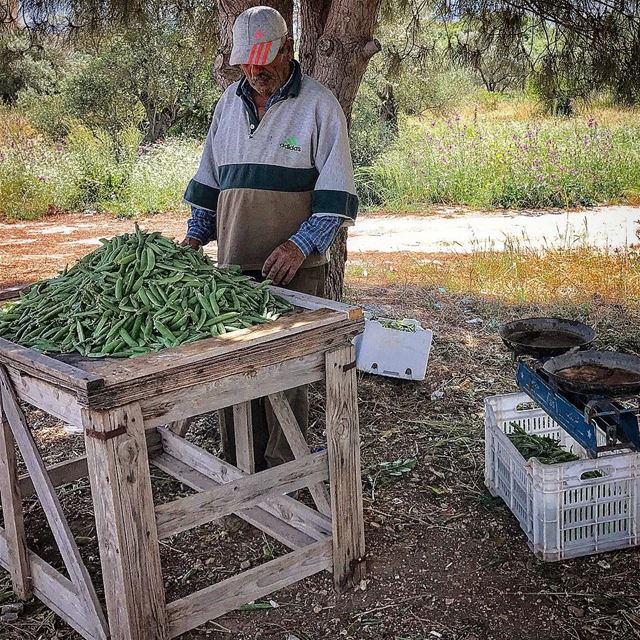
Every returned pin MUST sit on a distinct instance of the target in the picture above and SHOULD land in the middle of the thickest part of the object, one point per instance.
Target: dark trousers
(270, 447)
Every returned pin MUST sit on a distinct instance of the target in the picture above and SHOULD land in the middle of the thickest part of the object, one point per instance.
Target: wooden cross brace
(74, 600)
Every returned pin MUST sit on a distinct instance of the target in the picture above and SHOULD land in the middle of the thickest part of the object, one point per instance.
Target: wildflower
(592, 123)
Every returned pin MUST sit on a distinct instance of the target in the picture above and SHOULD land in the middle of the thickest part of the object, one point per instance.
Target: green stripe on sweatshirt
(202, 195)
(339, 202)
(267, 176)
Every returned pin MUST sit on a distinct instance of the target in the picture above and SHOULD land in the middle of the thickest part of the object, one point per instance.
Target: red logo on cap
(258, 34)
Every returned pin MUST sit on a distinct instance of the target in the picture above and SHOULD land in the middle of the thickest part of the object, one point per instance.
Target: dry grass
(497, 107)
(516, 275)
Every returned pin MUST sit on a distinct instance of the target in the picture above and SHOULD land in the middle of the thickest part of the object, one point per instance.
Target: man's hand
(283, 263)
(191, 242)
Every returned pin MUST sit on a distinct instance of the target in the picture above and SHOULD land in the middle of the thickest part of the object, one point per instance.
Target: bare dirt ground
(445, 559)
(32, 249)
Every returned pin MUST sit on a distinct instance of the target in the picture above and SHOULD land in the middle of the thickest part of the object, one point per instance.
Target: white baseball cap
(258, 34)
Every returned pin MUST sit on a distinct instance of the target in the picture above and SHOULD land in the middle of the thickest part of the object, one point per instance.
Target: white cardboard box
(392, 352)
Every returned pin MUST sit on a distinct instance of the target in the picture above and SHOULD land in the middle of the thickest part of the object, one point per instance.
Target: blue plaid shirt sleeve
(316, 234)
(202, 225)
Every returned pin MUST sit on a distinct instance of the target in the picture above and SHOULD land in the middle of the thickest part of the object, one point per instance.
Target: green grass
(489, 163)
(499, 153)
(91, 170)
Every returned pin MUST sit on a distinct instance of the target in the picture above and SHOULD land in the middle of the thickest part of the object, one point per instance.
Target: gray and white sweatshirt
(263, 179)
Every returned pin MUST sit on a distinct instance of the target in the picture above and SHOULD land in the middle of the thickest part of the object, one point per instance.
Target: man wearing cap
(274, 185)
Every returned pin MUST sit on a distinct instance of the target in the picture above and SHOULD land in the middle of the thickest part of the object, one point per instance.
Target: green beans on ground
(137, 293)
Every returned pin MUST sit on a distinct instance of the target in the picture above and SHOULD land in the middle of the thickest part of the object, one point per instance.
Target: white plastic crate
(393, 352)
(563, 513)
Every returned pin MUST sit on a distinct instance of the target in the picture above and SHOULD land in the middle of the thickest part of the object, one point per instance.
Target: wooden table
(133, 412)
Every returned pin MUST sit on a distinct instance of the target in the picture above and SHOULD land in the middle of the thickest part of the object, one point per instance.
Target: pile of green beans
(137, 293)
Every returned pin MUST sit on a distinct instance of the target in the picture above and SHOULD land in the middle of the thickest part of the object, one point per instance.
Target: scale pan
(596, 373)
(545, 337)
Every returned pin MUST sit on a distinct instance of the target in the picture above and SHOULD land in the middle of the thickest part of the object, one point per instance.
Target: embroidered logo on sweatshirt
(291, 144)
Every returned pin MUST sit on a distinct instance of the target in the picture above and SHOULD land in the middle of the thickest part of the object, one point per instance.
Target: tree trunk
(10, 17)
(313, 18)
(336, 44)
(388, 108)
(228, 10)
(343, 53)
(345, 48)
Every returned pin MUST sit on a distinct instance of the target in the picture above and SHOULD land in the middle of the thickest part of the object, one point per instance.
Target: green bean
(136, 293)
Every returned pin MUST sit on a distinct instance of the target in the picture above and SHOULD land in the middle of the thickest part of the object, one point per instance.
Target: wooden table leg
(343, 448)
(12, 511)
(126, 525)
(243, 431)
(180, 427)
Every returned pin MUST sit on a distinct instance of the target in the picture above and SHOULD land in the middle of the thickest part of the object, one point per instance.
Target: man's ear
(289, 48)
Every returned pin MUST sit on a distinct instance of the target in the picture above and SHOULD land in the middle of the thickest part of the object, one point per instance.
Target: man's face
(268, 78)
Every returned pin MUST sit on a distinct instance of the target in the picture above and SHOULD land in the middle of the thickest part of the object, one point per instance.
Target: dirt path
(35, 249)
(611, 227)
(31, 250)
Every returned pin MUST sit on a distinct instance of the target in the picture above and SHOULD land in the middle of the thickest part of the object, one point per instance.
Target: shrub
(548, 163)
(26, 188)
(91, 170)
(96, 167)
(25, 64)
(369, 136)
(159, 177)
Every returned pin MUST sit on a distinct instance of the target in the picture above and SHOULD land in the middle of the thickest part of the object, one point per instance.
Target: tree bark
(10, 18)
(345, 48)
(228, 10)
(313, 18)
(343, 53)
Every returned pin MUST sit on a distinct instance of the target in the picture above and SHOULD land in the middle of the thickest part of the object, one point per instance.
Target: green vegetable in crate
(137, 293)
(398, 325)
(547, 450)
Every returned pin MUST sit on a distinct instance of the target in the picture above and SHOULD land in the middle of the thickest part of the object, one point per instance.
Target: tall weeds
(488, 164)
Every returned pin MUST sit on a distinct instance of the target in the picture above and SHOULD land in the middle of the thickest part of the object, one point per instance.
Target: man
(274, 185)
